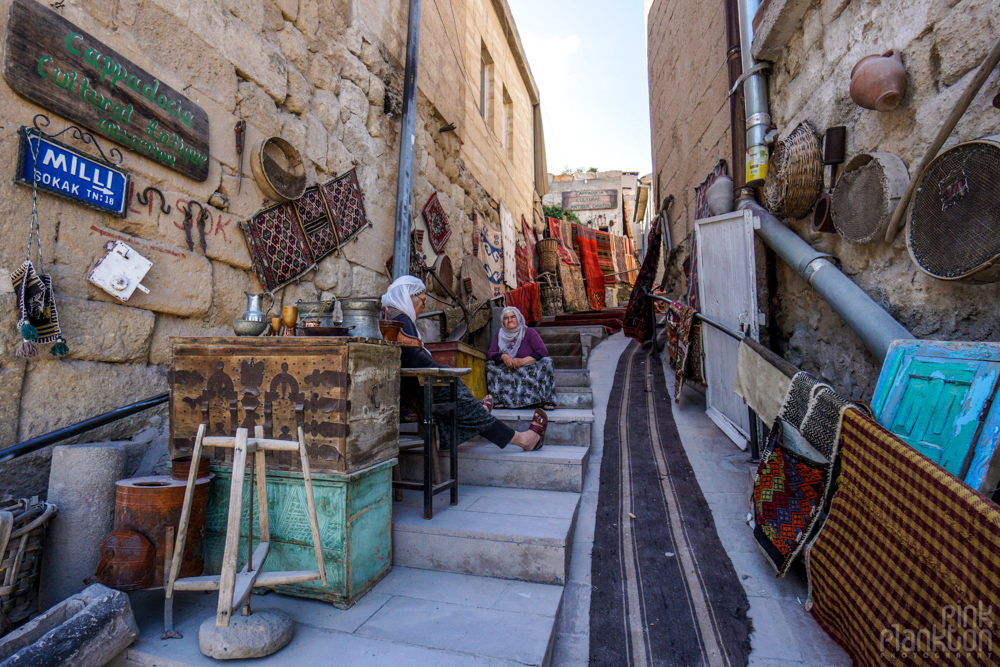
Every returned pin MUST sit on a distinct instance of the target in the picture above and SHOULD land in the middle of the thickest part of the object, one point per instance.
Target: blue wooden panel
(938, 397)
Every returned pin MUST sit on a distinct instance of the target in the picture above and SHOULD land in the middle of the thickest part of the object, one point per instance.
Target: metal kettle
(362, 314)
(254, 311)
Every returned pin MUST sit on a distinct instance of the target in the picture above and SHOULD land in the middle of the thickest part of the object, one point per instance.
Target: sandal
(488, 403)
(539, 423)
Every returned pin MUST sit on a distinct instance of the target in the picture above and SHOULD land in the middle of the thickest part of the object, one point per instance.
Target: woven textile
(573, 287)
(605, 257)
(904, 570)
(638, 320)
(814, 408)
(592, 273)
(788, 495)
(418, 263)
(438, 228)
(565, 250)
(681, 336)
(631, 263)
(528, 385)
(346, 205)
(277, 245)
(36, 302)
(475, 234)
(523, 264)
(620, 264)
(527, 299)
(315, 221)
(491, 252)
(529, 242)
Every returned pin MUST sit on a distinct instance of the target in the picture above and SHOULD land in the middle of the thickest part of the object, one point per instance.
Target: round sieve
(866, 195)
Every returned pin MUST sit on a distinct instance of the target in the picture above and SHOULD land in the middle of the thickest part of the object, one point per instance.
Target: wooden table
(428, 379)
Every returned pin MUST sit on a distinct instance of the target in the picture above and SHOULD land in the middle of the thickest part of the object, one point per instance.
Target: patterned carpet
(664, 590)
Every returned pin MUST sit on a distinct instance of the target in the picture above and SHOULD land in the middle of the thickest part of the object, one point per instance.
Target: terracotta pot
(878, 81)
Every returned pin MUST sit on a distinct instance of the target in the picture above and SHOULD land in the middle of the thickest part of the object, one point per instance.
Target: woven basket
(795, 176)
(22, 530)
(548, 257)
(551, 295)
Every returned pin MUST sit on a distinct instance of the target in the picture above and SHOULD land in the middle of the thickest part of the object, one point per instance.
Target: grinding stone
(262, 633)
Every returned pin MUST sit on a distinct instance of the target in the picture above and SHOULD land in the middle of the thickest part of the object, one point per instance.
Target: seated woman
(402, 302)
(519, 371)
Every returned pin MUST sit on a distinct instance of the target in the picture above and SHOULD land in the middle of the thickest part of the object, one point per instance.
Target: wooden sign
(585, 200)
(52, 63)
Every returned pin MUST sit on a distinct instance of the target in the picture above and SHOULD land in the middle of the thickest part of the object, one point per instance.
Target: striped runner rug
(664, 590)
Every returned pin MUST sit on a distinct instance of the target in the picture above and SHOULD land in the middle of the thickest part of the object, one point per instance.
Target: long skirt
(521, 387)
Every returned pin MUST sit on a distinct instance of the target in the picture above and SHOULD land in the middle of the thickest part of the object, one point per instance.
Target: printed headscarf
(400, 293)
(509, 342)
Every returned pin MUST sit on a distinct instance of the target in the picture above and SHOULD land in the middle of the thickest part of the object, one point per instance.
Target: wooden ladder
(234, 588)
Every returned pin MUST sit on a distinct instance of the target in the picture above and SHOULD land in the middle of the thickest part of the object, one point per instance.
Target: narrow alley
(500, 333)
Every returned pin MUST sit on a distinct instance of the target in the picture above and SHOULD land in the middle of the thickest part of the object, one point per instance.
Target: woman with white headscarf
(403, 302)
(519, 371)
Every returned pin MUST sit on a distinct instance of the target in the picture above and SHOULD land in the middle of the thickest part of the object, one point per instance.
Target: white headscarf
(399, 296)
(509, 341)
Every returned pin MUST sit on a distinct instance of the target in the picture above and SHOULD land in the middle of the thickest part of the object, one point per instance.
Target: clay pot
(878, 81)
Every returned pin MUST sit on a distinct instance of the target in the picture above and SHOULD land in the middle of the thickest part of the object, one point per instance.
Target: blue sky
(588, 58)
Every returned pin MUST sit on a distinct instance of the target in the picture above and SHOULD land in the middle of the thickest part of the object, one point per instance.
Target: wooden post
(227, 580)
(182, 529)
(311, 502)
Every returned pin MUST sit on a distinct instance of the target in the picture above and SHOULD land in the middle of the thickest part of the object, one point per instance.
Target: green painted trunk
(355, 527)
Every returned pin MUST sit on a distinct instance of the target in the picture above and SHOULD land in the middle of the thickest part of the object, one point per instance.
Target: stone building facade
(324, 75)
(813, 47)
(603, 199)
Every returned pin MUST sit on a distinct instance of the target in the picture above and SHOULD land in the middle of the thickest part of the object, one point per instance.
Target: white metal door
(728, 295)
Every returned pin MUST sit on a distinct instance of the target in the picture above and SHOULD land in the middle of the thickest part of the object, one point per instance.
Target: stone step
(548, 469)
(506, 533)
(566, 426)
(574, 398)
(555, 335)
(566, 349)
(596, 330)
(567, 361)
(572, 377)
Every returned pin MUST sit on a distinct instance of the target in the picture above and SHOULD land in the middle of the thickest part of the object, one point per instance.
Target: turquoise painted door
(936, 402)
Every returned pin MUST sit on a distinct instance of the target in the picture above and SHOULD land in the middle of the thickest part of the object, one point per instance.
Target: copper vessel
(148, 505)
(181, 467)
(126, 561)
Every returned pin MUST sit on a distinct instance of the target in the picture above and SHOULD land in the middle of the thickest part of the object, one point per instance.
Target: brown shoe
(488, 404)
(539, 423)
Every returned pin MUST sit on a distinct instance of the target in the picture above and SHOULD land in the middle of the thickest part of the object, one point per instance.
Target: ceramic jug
(254, 312)
(878, 81)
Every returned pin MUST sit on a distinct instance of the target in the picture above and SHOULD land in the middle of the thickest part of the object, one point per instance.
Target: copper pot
(878, 81)
(390, 329)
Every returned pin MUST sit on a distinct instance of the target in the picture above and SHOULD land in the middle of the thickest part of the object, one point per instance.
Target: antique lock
(121, 271)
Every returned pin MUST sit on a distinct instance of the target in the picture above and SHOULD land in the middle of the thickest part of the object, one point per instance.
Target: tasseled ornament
(28, 332)
(26, 350)
(60, 349)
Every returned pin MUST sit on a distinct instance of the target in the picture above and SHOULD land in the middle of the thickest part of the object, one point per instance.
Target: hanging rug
(277, 246)
(315, 221)
(438, 228)
(346, 205)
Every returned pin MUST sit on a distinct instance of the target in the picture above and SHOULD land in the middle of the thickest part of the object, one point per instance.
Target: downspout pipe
(758, 117)
(874, 326)
(407, 139)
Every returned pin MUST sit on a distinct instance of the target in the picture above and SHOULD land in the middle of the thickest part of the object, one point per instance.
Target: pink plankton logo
(964, 631)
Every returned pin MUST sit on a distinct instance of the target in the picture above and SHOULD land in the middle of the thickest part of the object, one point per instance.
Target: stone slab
(572, 377)
(566, 426)
(561, 361)
(550, 468)
(100, 331)
(574, 397)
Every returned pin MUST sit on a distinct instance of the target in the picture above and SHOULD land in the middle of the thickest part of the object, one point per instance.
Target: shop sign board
(65, 172)
(585, 200)
(58, 66)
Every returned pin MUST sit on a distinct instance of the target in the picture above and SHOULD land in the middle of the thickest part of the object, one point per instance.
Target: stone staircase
(517, 510)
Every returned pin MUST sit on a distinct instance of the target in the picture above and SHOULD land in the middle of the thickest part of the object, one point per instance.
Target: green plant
(559, 213)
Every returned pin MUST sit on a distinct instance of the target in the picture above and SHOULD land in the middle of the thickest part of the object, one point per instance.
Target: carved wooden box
(343, 392)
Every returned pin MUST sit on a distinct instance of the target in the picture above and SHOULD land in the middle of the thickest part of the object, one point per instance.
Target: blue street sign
(65, 172)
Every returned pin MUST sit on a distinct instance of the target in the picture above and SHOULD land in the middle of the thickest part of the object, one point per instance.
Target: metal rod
(706, 320)
(874, 326)
(28, 446)
(407, 138)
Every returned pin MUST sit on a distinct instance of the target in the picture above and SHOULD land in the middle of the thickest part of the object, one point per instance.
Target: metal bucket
(362, 314)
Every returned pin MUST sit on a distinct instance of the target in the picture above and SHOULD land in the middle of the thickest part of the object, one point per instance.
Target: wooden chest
(460, 355)
(355, 528)
(343, 392)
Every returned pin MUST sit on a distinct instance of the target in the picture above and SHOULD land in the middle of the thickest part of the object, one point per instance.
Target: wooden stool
(234, 589)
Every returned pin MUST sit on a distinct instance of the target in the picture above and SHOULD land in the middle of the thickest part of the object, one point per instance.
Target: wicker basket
(795, 176)
(22, 530)
(548, 257)
(551, 295)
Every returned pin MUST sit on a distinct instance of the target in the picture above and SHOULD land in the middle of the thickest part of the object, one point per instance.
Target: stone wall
(609, 219)
(942, 43)
(327, 76)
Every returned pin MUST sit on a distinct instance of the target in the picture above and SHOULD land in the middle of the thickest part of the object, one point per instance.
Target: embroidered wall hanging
(438, 229)
(491, 253)
(346, 205)
(277, 246)
(557, 230)
(509, 236)
(418, 263)
(529, 240)
(315, 222)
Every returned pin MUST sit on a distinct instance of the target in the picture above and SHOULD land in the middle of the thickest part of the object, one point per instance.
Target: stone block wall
(325, 75)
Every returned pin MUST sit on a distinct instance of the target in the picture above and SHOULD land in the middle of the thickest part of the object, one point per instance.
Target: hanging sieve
(954, 224)
(867, 193)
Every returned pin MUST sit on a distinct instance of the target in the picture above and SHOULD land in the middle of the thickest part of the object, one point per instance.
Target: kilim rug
(664, 590)
(638, 320)
(315, 222)
(346, 204)
(491, 253)
(529, 241)
(620, 265)
(277, 246)
(418, 263)
(606, 257)
(587, 241)
(527, 299)
(681, 344)
(557, 229)
(573, 287)
(438, 229)
(905, 569)
(523, 264)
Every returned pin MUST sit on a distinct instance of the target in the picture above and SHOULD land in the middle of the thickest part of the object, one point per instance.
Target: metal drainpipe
(874, 326)
(758, 118)
(407, 138)
(736, 106)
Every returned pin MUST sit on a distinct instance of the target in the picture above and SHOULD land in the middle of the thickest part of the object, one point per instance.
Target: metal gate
(727, 292)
